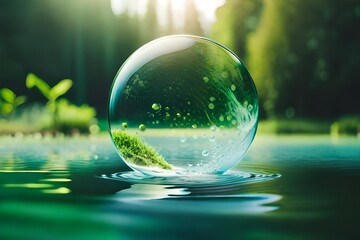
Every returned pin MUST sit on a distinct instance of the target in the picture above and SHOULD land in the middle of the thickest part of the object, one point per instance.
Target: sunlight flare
(171, 10)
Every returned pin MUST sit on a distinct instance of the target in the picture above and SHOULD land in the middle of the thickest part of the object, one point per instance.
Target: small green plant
(134, 150)
(9, 101)
(66, 116)
(51, 94)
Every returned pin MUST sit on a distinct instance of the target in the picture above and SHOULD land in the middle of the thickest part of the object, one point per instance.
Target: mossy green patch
(136, 151)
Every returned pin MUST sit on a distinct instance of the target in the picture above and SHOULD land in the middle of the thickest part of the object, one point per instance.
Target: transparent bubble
(174, 89)
(205, 153)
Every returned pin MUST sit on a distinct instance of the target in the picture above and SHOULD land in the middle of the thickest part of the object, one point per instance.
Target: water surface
(63, 188)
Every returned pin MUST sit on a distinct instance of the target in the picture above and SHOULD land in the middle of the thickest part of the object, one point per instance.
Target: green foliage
(306, 63)
(33, 81)
(133, 149)
(60, 89)
(51, 94)
(72, 117)
(268, 47)
(7, 95)
(9, 101)
(66, 116)
(236, 19)
(293, 126)
(347, 125)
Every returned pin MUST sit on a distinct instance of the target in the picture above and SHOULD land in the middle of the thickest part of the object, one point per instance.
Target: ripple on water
(199, 193)
(206, 182)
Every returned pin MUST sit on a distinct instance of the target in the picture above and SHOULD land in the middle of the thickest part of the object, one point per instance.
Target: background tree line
(303, 55)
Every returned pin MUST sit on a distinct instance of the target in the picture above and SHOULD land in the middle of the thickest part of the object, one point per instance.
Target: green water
(54, 189)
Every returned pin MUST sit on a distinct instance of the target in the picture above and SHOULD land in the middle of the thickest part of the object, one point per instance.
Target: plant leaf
(51, 105)
(6, 108)
(60, 89)
(19, 100)
(32, 80)
(7, 95)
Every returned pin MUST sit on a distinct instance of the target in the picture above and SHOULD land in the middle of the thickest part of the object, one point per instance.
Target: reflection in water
(167, 198)
(27, 185)
(42, 166)
(23, 171)
(140, 192)
(195, 194)
(60, 190)
(49, 182)
(56, 180)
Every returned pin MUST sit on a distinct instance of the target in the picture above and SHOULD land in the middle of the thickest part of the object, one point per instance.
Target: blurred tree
(149, 29)
(268, 47)
(192, 25)
(307, 65)
(78, 39)
(170, 23)
(235, 20)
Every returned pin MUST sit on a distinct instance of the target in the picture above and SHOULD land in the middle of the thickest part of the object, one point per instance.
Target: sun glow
(206, 10)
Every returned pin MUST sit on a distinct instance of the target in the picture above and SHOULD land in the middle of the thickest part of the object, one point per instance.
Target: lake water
(78, 188)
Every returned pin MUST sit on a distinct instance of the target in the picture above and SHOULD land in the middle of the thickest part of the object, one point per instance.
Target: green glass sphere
(182, 104)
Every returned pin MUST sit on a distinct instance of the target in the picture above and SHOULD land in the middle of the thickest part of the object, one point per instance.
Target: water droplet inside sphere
(156, 106)
(142, 127)
(211, 106)
(225, 74)
(205, 153)
(183, 139)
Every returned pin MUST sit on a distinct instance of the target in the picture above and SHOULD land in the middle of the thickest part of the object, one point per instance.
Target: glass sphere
(182, 104)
